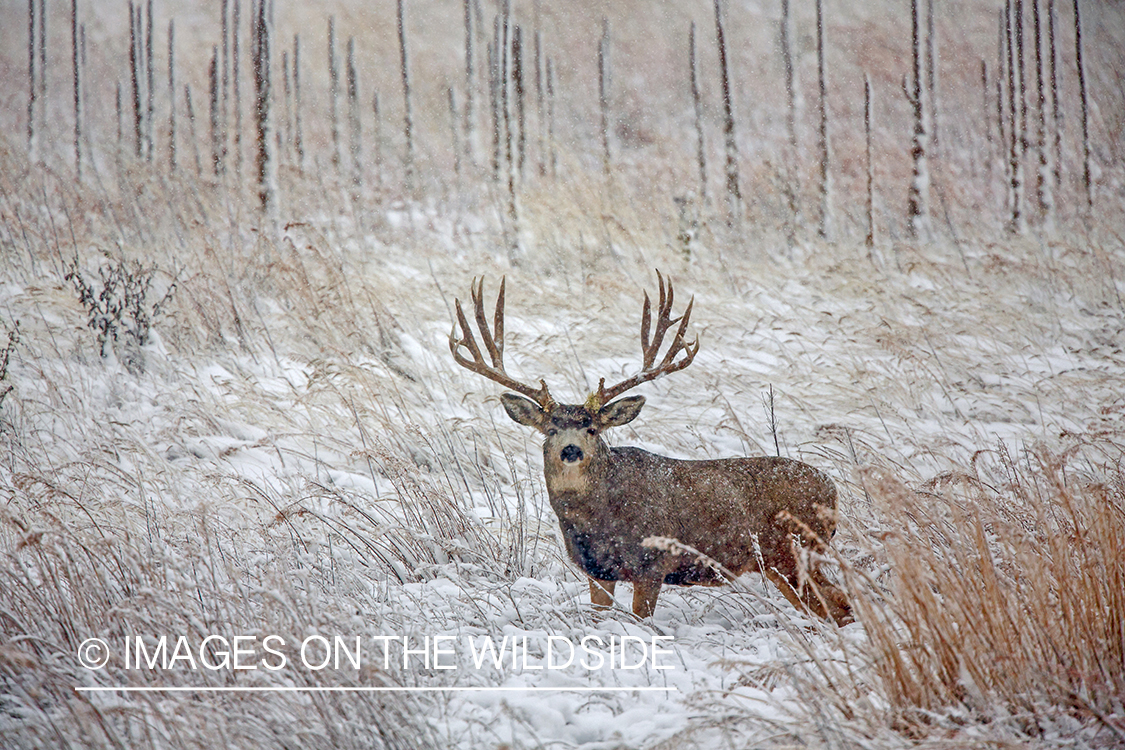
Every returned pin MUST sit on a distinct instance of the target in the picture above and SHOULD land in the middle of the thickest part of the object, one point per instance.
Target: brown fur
(610, 500)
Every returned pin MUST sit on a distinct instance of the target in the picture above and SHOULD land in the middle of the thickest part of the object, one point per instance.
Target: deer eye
(551, 432)
(592, 431)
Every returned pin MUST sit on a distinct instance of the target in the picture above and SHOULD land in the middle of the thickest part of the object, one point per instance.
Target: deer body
(747, 514)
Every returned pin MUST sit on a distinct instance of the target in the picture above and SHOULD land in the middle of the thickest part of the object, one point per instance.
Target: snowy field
(292, 457)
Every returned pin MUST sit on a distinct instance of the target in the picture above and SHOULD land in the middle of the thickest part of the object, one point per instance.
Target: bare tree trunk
(918, 202)
(470, 121)
(77, 41)
(931, 76)
(33, 83)
(1087, 158)
(603, 95)
(150, 86)
(334, 95)
(540, 109)
(825, 206)
(870, 239)
(521, 108)
(286, 151)
(173, 165)
(986, 107)
(298, 130)
(734, 195)
(216, 145)
(377, 140)
(1016, 222)
(136, 64)
(1001, 72)
(267, 157)
(1043, 177)
(224, 84)
(792, 117)
(554, 160)
(1056, 111)
(355, 133)
(494, 96)
(697, 107)
(408, 113)
(511, 229)
(191, 127)
(236, 87)
(454, 138)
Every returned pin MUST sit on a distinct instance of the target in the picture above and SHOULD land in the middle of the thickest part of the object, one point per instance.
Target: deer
(737, 515)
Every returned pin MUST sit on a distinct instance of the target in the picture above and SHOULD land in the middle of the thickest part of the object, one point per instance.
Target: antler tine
(650, 347)
(493, 343)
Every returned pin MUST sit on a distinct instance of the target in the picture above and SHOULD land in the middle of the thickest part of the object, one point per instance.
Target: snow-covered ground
(334, 473)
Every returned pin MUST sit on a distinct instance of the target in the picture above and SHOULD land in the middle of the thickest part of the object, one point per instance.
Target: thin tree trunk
(190, 110)
(136, 57)
(173, 165)
(286, 152)
(918, 202)
(792, 117)
(408, 114)
(150, 87)
(33, 83)
(867, 123)
(216, 144)
(355, 134)
(520, 94)
(1043, 176)
(540, 107)
(1016, 222)
(298, 130)
(334, 95)
(76, 55)
(697, 107)
(931, 76)
(1087, 158)
(454, 138)
(825, 175)
(554, 160)
(603, 95)
(1056, 111)
(734, 195)
(377, 138)
(236, 87)
(267, 157)
(469, 122)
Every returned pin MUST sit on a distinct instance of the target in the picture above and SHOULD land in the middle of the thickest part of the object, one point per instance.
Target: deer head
(572, 432)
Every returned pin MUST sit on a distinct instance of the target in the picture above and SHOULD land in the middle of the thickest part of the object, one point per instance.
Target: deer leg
(820, 597)
(839, 609)
(644, 597)
(787, 589)
(601, 593)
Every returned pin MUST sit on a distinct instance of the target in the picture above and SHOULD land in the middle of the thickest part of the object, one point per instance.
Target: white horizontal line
(367, 689)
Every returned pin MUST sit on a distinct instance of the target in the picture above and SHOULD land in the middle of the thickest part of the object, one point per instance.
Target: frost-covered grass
(300, 456)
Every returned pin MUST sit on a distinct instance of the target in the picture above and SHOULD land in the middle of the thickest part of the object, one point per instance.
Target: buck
(746, 514)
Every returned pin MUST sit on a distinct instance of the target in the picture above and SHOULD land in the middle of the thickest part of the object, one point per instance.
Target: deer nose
(571, 454)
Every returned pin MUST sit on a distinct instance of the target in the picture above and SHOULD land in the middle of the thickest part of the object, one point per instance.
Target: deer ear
(622, 411)
(523, 410)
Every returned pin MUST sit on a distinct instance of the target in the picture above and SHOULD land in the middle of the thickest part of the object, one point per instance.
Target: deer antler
(493, 344)
(651, 347)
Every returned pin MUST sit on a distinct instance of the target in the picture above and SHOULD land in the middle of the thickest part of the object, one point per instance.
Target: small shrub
(13, 339)
(118, 307)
